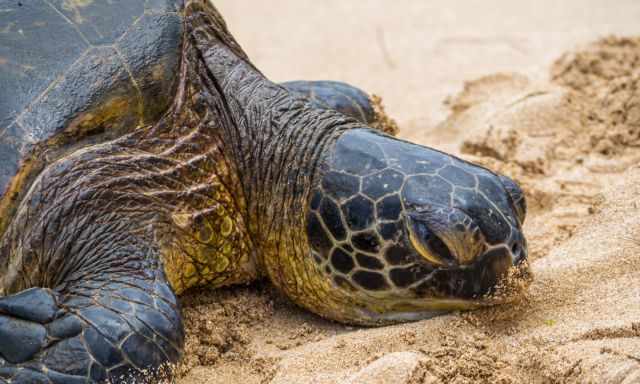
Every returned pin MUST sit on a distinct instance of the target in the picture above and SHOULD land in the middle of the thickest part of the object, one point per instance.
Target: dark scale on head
(369, 262)
(358, 157)
(358, 213)
(389, 231)
(332, 218)
(492, 224)
(492, 186)
(423, 190)
(340, 185)
(458, 177)
(366, 242)
(377, 185)
(389, 208)
(342, 261)
(320, 241)
(404, 277)
(370, 280)
(410, 158)
(398, 255)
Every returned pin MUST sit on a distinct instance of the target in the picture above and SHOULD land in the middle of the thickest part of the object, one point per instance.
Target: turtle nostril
(517, 250)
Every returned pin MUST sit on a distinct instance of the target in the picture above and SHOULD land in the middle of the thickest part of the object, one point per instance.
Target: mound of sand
(572, 142)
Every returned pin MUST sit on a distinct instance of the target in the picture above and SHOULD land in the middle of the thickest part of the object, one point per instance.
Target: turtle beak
(499, 277)
(491, 279)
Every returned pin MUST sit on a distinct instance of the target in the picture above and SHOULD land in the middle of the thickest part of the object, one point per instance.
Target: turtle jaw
(493, 279)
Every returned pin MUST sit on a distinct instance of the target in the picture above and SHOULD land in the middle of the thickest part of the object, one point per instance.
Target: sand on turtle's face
(565, 125)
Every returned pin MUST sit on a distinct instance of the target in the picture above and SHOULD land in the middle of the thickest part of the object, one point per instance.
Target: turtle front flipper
(117, 328)
(87, 297)
(346, 99)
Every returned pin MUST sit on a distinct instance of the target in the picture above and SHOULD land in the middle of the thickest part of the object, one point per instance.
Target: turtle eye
(517, 197)
(428, 245)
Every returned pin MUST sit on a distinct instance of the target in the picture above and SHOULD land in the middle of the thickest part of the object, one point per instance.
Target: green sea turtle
(143, 154)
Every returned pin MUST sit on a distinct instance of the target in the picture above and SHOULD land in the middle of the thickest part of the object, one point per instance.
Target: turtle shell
(78, 72)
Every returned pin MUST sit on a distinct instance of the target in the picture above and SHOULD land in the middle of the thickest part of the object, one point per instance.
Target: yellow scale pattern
(211, 247)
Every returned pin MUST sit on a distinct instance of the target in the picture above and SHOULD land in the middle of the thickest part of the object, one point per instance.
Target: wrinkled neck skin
(277, 144)
(274, 140)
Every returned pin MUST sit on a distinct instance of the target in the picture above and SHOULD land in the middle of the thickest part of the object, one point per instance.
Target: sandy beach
(547, 93)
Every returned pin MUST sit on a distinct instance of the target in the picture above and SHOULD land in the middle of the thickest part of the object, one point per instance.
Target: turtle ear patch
(517, 197)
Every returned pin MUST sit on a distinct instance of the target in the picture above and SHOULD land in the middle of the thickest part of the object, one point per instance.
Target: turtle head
(404, 232)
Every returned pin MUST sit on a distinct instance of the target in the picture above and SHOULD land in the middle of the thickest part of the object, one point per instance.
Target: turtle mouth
(491, 279)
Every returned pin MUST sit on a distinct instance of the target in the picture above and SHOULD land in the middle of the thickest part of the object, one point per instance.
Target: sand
(544, 94)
